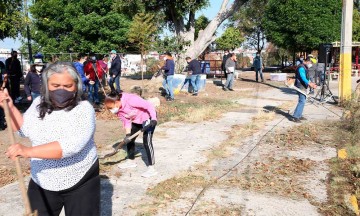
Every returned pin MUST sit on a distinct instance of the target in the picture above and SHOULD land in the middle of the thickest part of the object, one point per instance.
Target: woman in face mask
(32, 84)
(63, 157)
(136, 114)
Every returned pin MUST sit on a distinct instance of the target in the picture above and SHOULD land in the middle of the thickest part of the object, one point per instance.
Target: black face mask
(61, 98)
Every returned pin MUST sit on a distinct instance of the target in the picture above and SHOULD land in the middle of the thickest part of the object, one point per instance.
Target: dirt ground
(108, 128)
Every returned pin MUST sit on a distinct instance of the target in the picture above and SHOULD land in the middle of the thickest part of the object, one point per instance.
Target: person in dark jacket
(169, 70)
(13, 68)
(32, 84)
(195, 67)
(2, 87)
(258, 67)
(226, 55)
(115, 72)
(302, 81)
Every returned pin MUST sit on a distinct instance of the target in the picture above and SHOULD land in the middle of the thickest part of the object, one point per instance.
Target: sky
(209, 12)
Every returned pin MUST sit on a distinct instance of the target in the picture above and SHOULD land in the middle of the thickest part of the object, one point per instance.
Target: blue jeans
(115, 80)
(195, 79)
(93, 92)
(167, 84)
(229, 80)
(34, 95)
(300, 106)
(259, 71)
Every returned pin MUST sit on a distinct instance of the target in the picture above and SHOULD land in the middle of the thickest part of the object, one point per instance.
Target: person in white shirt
(64, 162)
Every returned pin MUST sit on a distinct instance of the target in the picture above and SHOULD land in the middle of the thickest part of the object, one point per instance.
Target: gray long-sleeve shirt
(229, 63)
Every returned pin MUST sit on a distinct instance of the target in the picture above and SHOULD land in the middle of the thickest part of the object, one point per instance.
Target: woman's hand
(17, 150)
(4, 96)
(29, 98)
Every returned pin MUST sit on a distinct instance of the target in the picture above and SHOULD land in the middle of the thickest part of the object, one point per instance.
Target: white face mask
(114, 110)
(38, 68)
(309, 65)
(165, 58)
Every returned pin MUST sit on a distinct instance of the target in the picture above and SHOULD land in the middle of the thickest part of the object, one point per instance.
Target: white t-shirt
(74, 130)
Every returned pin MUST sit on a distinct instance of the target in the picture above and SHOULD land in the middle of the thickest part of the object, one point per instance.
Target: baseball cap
(38, 61)
(113, 51)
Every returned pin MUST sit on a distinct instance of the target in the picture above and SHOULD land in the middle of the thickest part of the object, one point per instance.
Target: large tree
(78, 26)
(249, 21)
(11, 18)
(301, 25)
(179, 17)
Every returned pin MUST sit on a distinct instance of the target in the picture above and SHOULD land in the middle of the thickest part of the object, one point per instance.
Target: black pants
(81, 199)
(2, 118)
(14, 87)
(147, 141)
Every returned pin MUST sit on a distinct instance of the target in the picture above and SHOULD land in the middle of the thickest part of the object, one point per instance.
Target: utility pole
(346, 50)
(27, 20)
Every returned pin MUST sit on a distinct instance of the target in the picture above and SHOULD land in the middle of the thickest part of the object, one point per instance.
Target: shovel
(121, 144)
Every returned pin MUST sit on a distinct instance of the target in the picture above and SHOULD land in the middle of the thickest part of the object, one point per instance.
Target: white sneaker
(150, 172)
(127, 164)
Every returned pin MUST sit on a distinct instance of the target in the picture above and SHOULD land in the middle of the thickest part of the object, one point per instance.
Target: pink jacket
(135, 109)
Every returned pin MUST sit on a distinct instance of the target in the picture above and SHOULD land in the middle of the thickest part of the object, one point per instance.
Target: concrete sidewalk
(182, 148)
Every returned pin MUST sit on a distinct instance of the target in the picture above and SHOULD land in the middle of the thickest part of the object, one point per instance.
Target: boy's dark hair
(81, 55)
(187, 58)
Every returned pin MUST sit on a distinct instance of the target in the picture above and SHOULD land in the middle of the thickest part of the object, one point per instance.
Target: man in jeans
(195, 67)
(230, 69)
(302, 81)
(258, 66)
(115, 72)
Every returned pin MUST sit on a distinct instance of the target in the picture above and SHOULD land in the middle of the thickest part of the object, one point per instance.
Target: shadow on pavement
(277, 111)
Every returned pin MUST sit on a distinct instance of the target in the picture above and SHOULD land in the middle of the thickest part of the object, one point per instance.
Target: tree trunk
(141, 67)
(206, 36)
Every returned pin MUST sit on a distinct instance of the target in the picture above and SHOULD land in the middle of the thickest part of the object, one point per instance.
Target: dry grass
(210, 208)
(273, 176)
(171, 189)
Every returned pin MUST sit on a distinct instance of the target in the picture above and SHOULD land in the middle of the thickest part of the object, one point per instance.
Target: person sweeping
(136, 114)
(64, 162)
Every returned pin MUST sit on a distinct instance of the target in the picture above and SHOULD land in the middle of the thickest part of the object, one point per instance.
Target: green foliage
(356, 25)
(171, 12)
(249, 21)
(200, 24)
(78, 26)
(11, 18)
(301, 25)
(230, 39)
(142, 30)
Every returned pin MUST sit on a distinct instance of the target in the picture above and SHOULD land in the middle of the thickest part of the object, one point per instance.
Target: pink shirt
(135, 109)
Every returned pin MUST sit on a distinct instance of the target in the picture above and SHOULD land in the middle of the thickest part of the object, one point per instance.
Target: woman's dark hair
(46, 106)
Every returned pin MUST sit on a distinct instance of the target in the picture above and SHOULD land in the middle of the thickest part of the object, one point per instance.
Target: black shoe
(231, 89)
(303, 118)
(195, 94)
(225, 89)
(296, 120)
(170, 99)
